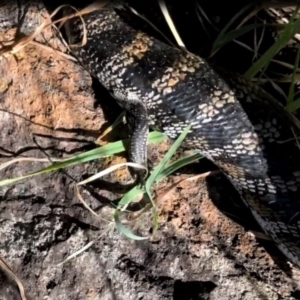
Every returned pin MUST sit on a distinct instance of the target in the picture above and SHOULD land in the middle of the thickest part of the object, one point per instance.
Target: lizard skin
(235, 124)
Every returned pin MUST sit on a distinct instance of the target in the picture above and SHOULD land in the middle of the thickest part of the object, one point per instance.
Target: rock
(49, 109)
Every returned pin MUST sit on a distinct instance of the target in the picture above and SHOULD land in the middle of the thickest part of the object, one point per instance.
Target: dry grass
(6, 268)
(226, 36)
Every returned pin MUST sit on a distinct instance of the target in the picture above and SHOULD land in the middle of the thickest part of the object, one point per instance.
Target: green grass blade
(178, 164)
(231, 35)
(222, 34)
(132, 194)
(290, 30)
(101, 152)
(292, 85)
(109, 170)
(159, 168)
(113, 125)
(294, 105)
(12, 180)
(124, 230)
(111, 149)
(136, 191)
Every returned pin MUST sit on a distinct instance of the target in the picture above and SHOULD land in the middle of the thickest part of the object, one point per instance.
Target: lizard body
(234, 123)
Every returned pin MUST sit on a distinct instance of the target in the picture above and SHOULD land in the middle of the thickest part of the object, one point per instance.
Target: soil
(207, 245)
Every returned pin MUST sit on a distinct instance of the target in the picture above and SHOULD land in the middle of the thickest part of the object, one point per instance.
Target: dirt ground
(204, 247)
